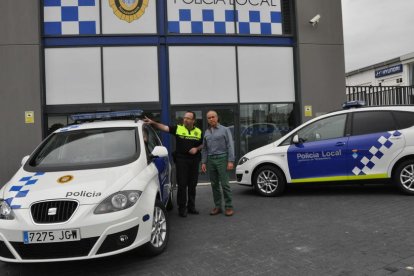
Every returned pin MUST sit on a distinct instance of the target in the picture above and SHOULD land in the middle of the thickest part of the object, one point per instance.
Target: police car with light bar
(90, 190)
(369, 144)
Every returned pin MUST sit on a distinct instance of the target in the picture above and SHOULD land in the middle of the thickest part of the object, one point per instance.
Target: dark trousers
(187, 178)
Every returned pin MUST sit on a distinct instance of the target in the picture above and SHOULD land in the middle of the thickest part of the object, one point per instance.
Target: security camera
(315, 20)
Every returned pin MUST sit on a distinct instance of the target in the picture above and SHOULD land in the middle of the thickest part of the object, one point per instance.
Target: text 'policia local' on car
(89, 190)
(369, 144)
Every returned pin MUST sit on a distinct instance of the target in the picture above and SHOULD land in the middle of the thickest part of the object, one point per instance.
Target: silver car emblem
(52, 211)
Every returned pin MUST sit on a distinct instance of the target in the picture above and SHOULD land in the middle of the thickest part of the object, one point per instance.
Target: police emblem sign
(128, 10)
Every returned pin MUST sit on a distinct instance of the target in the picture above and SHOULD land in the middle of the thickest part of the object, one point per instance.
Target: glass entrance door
(227, 117)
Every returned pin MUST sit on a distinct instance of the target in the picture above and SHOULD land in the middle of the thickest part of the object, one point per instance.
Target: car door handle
(340, 144)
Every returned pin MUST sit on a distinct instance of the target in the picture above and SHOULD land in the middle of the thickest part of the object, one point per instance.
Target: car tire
(160, 231)
(404, 177)
(170, 204)
(269, 181)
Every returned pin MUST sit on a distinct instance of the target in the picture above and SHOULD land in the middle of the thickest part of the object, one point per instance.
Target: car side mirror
(159, 151)
(24, 159)
(296, 139)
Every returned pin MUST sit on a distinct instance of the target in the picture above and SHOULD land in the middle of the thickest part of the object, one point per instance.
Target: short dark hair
(192, 112)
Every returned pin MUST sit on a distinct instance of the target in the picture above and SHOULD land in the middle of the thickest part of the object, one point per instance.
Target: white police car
(89, 190)
(361, 144)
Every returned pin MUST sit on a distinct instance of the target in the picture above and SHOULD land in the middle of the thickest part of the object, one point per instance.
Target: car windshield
(86, 149)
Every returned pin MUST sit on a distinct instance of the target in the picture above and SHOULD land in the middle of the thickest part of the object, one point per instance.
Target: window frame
(371, 111)
(289, 140)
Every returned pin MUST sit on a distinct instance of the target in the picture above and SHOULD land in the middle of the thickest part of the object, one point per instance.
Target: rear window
(372, 122)
(404, 119)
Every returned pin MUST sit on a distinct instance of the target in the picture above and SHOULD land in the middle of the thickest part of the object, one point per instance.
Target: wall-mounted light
(315, 20)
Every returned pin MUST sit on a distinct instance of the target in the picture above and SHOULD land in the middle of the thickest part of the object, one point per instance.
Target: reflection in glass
(261, 124)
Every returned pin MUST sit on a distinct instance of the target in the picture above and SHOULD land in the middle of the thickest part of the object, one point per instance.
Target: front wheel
(404, 177)
(269, 181)
(160, 231)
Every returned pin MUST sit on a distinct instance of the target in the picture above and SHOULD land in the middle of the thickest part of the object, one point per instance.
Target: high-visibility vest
(194, 134)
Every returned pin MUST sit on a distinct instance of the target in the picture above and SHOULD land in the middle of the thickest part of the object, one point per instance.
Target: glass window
(404, 119)
(86, 149)
(372, 122)
(261, 124)
(202, 74)
(137, 81)
(327, 128)
(73, 75)
(151, 140)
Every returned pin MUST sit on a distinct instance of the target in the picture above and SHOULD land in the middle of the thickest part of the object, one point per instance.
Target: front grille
(42, 212)
(56, 250)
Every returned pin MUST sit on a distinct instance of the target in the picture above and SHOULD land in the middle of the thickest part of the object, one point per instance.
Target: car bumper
(100, 235)
(243, 175)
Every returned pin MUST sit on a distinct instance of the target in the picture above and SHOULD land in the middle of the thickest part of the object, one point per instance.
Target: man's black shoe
(193, 211)
(183, 213)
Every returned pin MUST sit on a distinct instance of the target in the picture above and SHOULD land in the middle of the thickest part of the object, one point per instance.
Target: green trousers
(217, 169)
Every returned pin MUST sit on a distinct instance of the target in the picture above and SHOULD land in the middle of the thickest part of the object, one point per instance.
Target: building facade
(394, 72)
(259, 63)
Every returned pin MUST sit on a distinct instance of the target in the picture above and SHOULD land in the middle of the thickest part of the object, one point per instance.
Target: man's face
(212, 119)
(188, 120)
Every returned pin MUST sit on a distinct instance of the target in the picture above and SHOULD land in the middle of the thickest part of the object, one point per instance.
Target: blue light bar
(353, 104)
(106, 115)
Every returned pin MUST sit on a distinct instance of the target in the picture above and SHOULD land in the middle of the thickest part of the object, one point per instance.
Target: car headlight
(118, 201)
(6, 211)
(243, 160)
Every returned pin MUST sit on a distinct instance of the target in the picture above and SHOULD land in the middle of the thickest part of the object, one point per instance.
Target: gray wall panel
(322, 77)
(20, 92)
(20, 82)
(19, 22)
(320, 56)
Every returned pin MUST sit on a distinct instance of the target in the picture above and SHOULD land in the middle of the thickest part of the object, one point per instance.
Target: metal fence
(381, 95)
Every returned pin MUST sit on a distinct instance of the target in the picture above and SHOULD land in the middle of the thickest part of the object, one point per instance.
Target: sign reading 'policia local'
(128, 10)
(245, 17)
(272, 3)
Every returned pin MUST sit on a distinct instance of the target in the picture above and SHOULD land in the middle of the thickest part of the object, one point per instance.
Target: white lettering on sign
(312, 156)
(270, 3)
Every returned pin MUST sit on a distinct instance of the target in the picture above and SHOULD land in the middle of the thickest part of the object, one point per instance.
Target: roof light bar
(353, 104)
(107, 115)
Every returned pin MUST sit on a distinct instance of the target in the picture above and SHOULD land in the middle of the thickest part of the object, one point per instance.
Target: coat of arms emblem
(128, 10)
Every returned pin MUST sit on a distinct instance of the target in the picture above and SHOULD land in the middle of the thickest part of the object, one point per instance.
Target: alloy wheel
(159, 228)
(267, 181)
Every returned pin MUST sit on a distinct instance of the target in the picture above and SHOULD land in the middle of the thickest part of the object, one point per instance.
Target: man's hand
(230, 166)
(193, 151)
(148, 121)
(203, 168)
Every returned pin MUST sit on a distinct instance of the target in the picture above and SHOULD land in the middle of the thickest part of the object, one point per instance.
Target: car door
(161, 163)
(375, 141)
(321, 152)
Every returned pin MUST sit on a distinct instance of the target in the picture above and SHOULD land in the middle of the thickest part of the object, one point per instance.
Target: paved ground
(354, 230)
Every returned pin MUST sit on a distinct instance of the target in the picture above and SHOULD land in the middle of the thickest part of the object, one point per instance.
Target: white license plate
(51, 236)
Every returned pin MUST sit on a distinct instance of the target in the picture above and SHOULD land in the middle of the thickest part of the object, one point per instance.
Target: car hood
(267, 149)
(85, 186)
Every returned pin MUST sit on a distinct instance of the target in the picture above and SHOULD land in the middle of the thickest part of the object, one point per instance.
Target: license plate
(51, 236)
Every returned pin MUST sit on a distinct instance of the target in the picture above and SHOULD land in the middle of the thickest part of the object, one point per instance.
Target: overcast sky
(376, 31)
